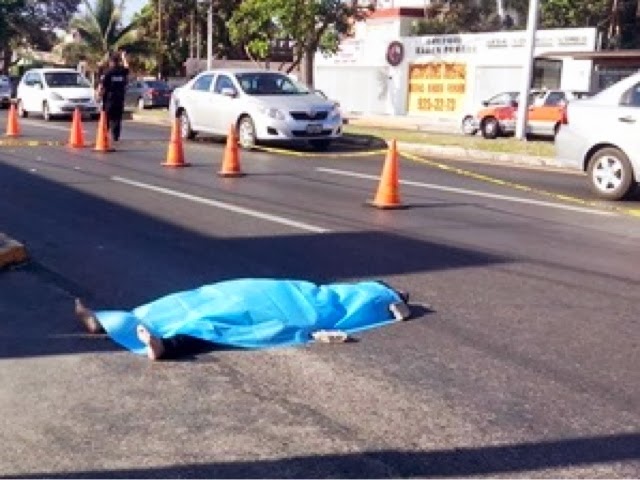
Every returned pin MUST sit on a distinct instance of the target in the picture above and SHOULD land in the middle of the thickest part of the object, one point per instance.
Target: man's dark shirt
(114, 84)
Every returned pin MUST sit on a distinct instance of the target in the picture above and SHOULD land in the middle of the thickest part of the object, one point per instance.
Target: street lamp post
(530, 45)
(210, 36)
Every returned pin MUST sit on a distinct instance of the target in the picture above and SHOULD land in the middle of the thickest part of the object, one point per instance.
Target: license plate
(314, 128)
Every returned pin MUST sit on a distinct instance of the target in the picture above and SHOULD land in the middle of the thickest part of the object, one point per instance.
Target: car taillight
(153, 92)
(565, 116)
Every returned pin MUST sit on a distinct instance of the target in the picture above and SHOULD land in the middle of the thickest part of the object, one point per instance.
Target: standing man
(112, 91)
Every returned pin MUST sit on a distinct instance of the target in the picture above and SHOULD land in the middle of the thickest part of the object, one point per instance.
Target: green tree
(31, 23)
(101, 32)
(310, 25)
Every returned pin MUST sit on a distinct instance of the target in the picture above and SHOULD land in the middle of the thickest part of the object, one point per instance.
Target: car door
(625, 122)
(131, 94)
(197, 102)
(223, 104)
(34, 94)
(544, 118)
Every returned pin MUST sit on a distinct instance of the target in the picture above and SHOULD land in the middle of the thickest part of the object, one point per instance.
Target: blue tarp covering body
(255, 313)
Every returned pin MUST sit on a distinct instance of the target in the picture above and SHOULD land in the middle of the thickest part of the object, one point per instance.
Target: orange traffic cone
(231, 161)
(102, 139)
(13, 127)
(76, 136)
(175, 152)
(388, 195)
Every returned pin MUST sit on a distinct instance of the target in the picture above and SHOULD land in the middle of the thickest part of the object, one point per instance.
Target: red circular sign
(395, 53)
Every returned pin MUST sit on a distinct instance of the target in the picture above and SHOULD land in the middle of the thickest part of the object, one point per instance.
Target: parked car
(471, 124)
(53, 92)
(261, 105)
(547, 110)
(544, 116)
(5, 91)
(599, 136)
(148, 94)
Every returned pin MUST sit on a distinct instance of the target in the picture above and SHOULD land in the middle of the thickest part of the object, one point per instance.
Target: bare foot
(154, 345)
(88, 318)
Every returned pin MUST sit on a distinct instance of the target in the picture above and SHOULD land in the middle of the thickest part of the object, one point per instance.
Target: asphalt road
(521, 360)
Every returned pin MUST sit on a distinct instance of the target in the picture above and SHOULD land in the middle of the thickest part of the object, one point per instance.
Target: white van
(53, 92)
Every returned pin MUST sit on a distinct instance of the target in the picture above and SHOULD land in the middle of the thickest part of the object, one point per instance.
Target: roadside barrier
(76, 135)
(13, 126)
(102, 138)
(231, 160)
(175, 151)
(388, 193)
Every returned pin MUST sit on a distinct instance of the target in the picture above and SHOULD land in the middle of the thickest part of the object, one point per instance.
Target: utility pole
(527, 70)
(159, 39)
(210, 36)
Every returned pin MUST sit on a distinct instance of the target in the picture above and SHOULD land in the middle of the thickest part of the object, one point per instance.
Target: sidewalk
(410, 124)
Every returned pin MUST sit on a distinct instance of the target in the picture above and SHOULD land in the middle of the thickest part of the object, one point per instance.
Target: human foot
(155, 347)
(88, 318)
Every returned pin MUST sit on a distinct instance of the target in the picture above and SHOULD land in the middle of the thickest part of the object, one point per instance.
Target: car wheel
(185, 126)
(141, 105)
(21, 111)
(468, 127)
(247, 133)
(321, 145)
(610, 174)
(46, 113)
(490, 128)
(556, 130)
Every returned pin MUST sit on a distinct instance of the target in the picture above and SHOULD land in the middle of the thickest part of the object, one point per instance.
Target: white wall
(493, 62)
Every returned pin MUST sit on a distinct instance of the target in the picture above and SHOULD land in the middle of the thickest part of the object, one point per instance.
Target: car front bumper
(294, 130)
(570, 149)
(66, 107)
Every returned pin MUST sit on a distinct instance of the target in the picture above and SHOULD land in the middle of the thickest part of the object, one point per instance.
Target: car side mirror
(229, 92)
(514, 104)
(485, 103)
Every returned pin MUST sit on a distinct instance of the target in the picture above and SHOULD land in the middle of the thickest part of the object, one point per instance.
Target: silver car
(601, 136)
(261, 105)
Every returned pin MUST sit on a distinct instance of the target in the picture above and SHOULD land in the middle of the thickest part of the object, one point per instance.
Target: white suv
(55, 92)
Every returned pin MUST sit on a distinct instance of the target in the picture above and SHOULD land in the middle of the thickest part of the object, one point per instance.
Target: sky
(131, 7)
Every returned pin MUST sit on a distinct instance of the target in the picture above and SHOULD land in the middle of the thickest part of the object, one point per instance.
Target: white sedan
(600, 136)
(261, 105)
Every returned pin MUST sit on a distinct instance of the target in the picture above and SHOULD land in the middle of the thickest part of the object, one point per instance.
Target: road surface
(521, 360)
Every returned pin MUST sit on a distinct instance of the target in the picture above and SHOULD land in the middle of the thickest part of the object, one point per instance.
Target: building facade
(384, 71)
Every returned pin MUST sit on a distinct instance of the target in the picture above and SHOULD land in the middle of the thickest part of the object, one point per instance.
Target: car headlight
(272, 112)
(335, 112)
(56, 97)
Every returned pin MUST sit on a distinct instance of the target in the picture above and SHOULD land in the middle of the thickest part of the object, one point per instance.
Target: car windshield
(66, 79)
(266, 83)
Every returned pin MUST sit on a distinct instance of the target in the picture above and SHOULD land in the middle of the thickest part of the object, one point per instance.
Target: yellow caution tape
(293, 153)
(518, 186)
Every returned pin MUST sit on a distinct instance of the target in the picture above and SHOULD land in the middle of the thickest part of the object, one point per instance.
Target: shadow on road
(462, 462)
(116, 257)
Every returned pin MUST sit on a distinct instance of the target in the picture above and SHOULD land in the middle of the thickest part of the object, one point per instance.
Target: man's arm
(125, 62)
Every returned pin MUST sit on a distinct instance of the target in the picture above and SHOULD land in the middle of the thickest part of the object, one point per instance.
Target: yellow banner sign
(437, 87)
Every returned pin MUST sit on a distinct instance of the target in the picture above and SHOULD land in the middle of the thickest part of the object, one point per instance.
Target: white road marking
(224, 206)
(476, 193)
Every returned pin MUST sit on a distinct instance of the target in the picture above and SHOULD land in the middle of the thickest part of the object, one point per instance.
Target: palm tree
(101, 32)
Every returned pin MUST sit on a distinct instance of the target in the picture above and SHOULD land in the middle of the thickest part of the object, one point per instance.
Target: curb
(444, 152)
(11, 251)
(460, 153)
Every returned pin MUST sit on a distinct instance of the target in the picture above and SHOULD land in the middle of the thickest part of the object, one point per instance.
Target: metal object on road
(330, 336)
